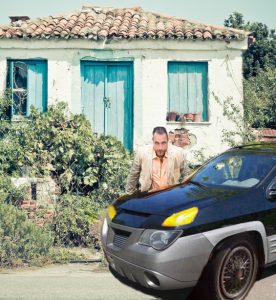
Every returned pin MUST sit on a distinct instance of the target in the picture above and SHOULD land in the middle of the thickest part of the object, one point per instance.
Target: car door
(269, 219)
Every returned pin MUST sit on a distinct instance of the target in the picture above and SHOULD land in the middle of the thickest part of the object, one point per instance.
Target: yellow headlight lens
(111, 211)
(183, 217)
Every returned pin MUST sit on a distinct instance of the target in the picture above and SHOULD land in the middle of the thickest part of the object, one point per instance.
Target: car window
(235, 169)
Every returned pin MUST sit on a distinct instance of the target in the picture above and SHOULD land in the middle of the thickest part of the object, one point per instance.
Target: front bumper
(178, 266)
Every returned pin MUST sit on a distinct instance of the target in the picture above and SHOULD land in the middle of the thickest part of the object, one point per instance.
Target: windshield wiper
(198, 183)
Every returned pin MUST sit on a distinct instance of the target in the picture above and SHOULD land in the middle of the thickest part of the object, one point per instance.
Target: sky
(206, 11)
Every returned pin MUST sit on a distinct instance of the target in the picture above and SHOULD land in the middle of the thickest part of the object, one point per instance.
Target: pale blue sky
(206, 11)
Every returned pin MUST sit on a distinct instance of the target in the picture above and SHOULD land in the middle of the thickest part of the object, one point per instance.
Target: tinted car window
(236, 169)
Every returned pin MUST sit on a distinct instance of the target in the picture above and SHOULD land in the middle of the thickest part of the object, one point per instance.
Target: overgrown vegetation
(91, 171)
(20, 239)
(259, 63)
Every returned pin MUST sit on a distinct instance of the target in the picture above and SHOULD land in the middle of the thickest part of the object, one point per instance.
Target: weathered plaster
(150, 60)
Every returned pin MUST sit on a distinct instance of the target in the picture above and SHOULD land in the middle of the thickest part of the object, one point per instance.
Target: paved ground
(79, 281)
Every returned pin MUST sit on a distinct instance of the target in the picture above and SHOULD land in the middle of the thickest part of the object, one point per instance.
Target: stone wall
(40, 198)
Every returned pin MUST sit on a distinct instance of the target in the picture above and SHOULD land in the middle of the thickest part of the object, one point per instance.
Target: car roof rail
(254, 144)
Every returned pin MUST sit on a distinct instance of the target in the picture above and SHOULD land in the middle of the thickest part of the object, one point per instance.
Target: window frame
(43, 102)
(204, 116)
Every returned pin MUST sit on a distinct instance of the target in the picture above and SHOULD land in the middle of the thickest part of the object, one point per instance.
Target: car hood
(175, 199)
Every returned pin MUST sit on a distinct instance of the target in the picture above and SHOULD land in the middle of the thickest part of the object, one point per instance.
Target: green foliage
(115, 163)
(242, 132)
(260, 99)
(64, 255)
(260, 54)
(91, 171)
(5, 104)
(20, 239)
(72, 220)
(235, 20)
(63, 145)
(259, 63)
(9, 193)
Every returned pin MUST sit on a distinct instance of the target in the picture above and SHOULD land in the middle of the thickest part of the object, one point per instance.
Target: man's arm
(133, 176)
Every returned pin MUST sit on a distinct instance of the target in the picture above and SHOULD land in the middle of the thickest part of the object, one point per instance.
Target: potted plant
(171, 116)
(197, 117)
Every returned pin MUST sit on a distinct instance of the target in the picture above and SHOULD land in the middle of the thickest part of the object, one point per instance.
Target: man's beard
(160, 153)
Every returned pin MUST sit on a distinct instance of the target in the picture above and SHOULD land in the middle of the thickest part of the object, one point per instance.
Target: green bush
(20, 239)
(73, 218)
(9, 193)
(63, 145)
(115, 163)
(91, 171)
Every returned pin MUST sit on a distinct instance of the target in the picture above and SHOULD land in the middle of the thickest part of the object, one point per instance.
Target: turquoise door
(107, 98)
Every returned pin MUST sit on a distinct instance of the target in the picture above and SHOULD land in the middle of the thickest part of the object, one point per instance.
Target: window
(187, 91)
(27, 80)
(234, 169)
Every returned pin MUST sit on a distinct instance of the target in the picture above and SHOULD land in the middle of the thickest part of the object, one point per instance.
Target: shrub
(63, 145)
(115, 162)
(9, 193)
(72, 220)
(20, 239)
(91, 171)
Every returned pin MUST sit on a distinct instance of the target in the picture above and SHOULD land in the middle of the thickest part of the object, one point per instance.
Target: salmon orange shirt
(159, 172)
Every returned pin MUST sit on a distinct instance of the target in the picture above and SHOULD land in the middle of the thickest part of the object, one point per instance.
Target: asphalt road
(79, 281)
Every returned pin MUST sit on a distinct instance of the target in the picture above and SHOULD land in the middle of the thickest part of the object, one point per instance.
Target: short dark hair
(159, 130)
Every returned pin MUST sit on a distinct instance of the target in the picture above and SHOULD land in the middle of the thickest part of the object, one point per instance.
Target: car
(218, 227)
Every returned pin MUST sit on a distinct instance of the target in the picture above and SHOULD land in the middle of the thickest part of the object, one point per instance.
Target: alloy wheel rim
(237, 272)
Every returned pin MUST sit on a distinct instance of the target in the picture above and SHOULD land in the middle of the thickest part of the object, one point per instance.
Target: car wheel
(233, 269)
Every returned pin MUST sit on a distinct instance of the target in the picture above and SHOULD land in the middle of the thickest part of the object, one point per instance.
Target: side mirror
(271, 191)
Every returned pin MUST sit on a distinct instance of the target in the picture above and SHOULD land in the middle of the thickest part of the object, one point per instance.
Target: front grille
(120, 238)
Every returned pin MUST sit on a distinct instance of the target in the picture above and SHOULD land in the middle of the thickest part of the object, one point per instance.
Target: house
(127, 70)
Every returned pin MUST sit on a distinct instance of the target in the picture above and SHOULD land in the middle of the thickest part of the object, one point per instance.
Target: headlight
(159, 239)
(111, 211)
(183, 217)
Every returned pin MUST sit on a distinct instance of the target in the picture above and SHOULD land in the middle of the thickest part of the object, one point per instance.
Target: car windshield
(236, 169)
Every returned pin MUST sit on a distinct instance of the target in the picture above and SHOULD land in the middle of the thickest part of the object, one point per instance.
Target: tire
(233, 269)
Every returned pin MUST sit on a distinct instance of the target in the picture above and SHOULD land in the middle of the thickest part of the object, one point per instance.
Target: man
(157, 166)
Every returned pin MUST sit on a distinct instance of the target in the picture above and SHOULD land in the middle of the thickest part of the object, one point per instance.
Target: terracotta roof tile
(269, 132)
(114, 23)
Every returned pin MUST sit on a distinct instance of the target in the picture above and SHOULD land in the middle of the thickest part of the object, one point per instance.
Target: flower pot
(197, 117)
(171, 116)
(189, 117)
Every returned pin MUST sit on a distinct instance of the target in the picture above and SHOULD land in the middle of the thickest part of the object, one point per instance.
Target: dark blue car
(220, 225)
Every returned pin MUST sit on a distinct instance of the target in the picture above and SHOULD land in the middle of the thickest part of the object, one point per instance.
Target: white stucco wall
(150, 59)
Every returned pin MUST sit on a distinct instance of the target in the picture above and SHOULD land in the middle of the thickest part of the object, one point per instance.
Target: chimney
(19, 18)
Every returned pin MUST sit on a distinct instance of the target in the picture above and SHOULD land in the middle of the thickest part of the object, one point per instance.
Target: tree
(259, 62)
(260, 99)
(235, 20)
(262, 53)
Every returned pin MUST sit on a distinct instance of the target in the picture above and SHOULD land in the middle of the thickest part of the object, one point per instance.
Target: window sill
(206, 123)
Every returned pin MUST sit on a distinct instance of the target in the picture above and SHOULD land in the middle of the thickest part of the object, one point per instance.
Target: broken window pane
(20, 75)
(20, 71)
(20, 103)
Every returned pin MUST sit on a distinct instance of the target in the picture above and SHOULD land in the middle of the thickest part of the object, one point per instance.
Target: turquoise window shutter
(28, 84)
(37, 85)
(188, 88)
